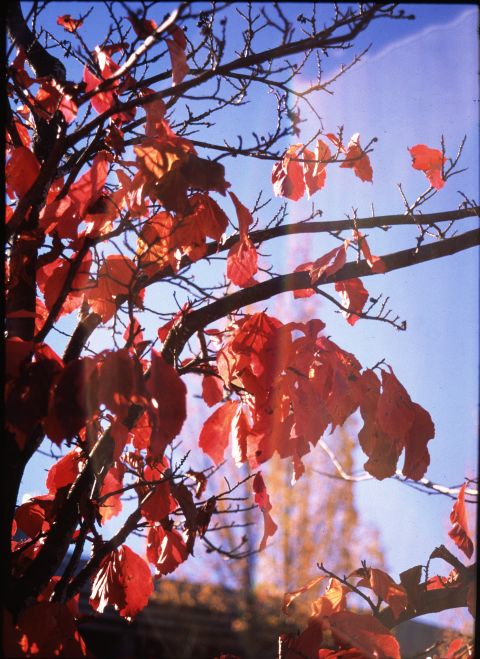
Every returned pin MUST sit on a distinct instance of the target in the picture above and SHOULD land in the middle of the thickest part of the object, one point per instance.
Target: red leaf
(417, 457)
(366, 633)
(46, 629)
(262, 499)
(395, 410)
(244, 216)
(120, 382)
(89, 187)
(143, 28)
(304, 292)
(242, 262)
(165, 549)
(115, 277)
(212, 390)
(169, 410)
(112, 506)
(354, 159)
(289, 597)
(124, 581)
(216, 430)
(354, 296)
(429, 161)
(21, 171)
(50, 98)
(102, 101)
(385, 587)
(70, 24)
(376, 263)
(64, 471)
(287, 175)
(72, 401)
(160, 503)
(178, 56)
(315, 174)
(33, 516)
(55, 283)
(459, 532)
(329, 263)
(209, 215)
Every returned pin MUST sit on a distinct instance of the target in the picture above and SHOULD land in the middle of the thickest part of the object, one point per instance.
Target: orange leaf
(354, 159)
(292, 595)
(385, 587)
(68, 23)
(459, 532)
(429, 161)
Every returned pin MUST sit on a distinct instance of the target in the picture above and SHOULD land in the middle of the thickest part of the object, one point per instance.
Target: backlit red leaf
(124, 581)
(430, 161)
(366, 633)
(385, 587)
(459, 532)
(70, 24)
(329, 263)
(357, 160)
(21, 171)
(242, 262)
(178, 56)
(244, 216)
(212, 390)
(64, 471)
(165, 549)
(168, 409)
(354, 296)
(289, 597)
(215, 432)
(417, 457)
(262, 500)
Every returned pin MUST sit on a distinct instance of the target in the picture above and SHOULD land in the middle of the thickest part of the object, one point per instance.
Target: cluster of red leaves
(358, 635)
(302, 170)
(352, 292)
(291, 389)
(50, 97)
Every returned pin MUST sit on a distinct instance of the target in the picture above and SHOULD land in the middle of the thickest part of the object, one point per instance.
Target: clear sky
(418, 81)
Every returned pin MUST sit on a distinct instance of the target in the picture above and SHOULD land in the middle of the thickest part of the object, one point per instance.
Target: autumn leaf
(159, 502)
(167, 409)
(329, 263)
(292, 595)
(459, 532)
(315, 173)
(287, 175)
(124, 581)
(111, 506)
(386, 589)
(376, 263)
(262, 500)
(68, 23)
(64, 471)
(430, 162)
(212, 390)
(356, 159)
(21, 171)
(354, 296)
(176, 47)
(166, 550)
(215, 432)
(365, 633)
(242, 262)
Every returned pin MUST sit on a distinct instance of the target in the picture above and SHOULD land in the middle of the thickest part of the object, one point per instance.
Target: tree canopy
(139, 279)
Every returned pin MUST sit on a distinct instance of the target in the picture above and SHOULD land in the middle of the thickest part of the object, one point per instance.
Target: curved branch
(197, 320)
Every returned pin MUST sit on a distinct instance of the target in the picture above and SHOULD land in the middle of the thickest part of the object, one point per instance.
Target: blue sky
(417, 82)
